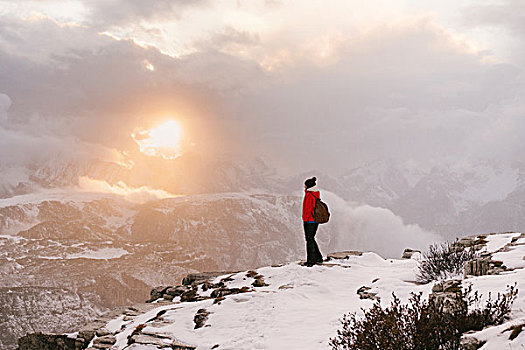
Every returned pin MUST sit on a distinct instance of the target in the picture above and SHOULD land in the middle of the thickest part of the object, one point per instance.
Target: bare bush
(443, 261)
(420, 325)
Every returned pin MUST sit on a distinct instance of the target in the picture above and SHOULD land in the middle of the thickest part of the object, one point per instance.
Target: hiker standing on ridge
(313, 255)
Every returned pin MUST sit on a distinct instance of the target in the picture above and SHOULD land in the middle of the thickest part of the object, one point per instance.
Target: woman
(313, 255)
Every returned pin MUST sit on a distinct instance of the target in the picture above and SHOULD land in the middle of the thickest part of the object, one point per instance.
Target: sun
(163, 140)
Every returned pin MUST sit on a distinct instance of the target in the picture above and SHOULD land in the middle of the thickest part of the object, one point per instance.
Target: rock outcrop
(47, 341)
(448, 295)
(200, 318)
(344, 255)
(364, 293)
(408, 253)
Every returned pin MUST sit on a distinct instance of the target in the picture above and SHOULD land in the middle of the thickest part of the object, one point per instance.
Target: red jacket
(309, 204)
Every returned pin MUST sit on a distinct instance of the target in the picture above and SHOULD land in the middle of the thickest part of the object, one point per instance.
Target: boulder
(259, 282)
(438, 287)
(470, 343)
(86, 334)
(202, 276)
(364, 293)
(145, 339)
(223, 291)
(408, 253)
(102, 332)
(168, 297)
(344, 255)
(477, 267)
(157, 292)
(200, 318)
(208, 285)
(451, 286)
(448, 295)
(160, 341)
(176, 291)
(466, 242)
(46, 341)
(190, 295)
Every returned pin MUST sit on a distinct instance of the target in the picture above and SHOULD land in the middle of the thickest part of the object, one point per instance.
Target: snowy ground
(301, 307)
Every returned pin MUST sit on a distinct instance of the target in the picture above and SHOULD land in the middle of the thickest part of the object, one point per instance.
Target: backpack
(321, 213)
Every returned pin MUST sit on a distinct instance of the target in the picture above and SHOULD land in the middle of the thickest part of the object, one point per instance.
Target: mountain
(449, 199)
(36, 309)
(189, 174)
(108, 252)
(445, 198)
(296, 307)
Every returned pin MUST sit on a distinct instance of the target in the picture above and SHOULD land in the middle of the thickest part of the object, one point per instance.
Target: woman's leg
(318, 257)
(313, 255)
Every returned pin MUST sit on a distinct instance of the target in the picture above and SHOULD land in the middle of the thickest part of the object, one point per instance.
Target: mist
(423, 85)
(358, 227)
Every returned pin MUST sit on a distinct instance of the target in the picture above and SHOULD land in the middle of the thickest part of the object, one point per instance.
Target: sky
(304, 84)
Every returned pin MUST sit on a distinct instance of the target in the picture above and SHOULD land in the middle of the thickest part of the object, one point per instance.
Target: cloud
(84, 92)
(5, 103)
(367, 228)
(21, 148)
(231, 40)
(501, 23)
(117, 12)
(509, 14)
(141, 194)
(407, 90)
(33, 144)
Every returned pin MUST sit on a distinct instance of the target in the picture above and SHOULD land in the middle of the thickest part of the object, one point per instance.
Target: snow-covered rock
(300, 307)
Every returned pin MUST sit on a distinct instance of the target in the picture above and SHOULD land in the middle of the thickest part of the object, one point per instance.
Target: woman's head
(310, 182)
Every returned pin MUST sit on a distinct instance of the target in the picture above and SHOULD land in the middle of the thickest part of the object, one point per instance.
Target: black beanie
(310, 182)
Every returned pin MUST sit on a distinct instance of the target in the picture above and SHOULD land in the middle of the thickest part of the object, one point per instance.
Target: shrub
(493, 312)
(420, 324)
(444, 261)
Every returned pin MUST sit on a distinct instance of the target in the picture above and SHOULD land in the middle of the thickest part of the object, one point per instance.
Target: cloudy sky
(331, 83)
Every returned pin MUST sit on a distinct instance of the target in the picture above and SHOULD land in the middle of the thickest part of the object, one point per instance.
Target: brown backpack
(321, 213)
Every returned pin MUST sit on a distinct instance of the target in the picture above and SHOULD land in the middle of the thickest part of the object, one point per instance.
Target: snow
(496, 242)
(115, 325)
(126, 216)
(16, 239)
(311, 305)
(60, 195)
(497, 338)
(301, 307)
(512, 259)
(122, 337)
(100, 254)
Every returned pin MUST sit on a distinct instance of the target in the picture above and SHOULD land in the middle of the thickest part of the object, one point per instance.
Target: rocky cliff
(108, 252)
(296, 307)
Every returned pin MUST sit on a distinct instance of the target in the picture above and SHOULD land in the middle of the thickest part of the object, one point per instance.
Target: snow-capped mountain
(445, 198)
(190, 174)
(111, 252)
(295, 307)
(449, 199)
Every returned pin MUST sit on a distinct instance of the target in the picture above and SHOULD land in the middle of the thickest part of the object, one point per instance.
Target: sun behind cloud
(163, 140)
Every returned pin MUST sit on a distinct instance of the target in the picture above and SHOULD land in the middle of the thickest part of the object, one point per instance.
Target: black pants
(313, 255)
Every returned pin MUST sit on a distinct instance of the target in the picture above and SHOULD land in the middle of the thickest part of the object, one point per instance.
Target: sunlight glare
(161, 141)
